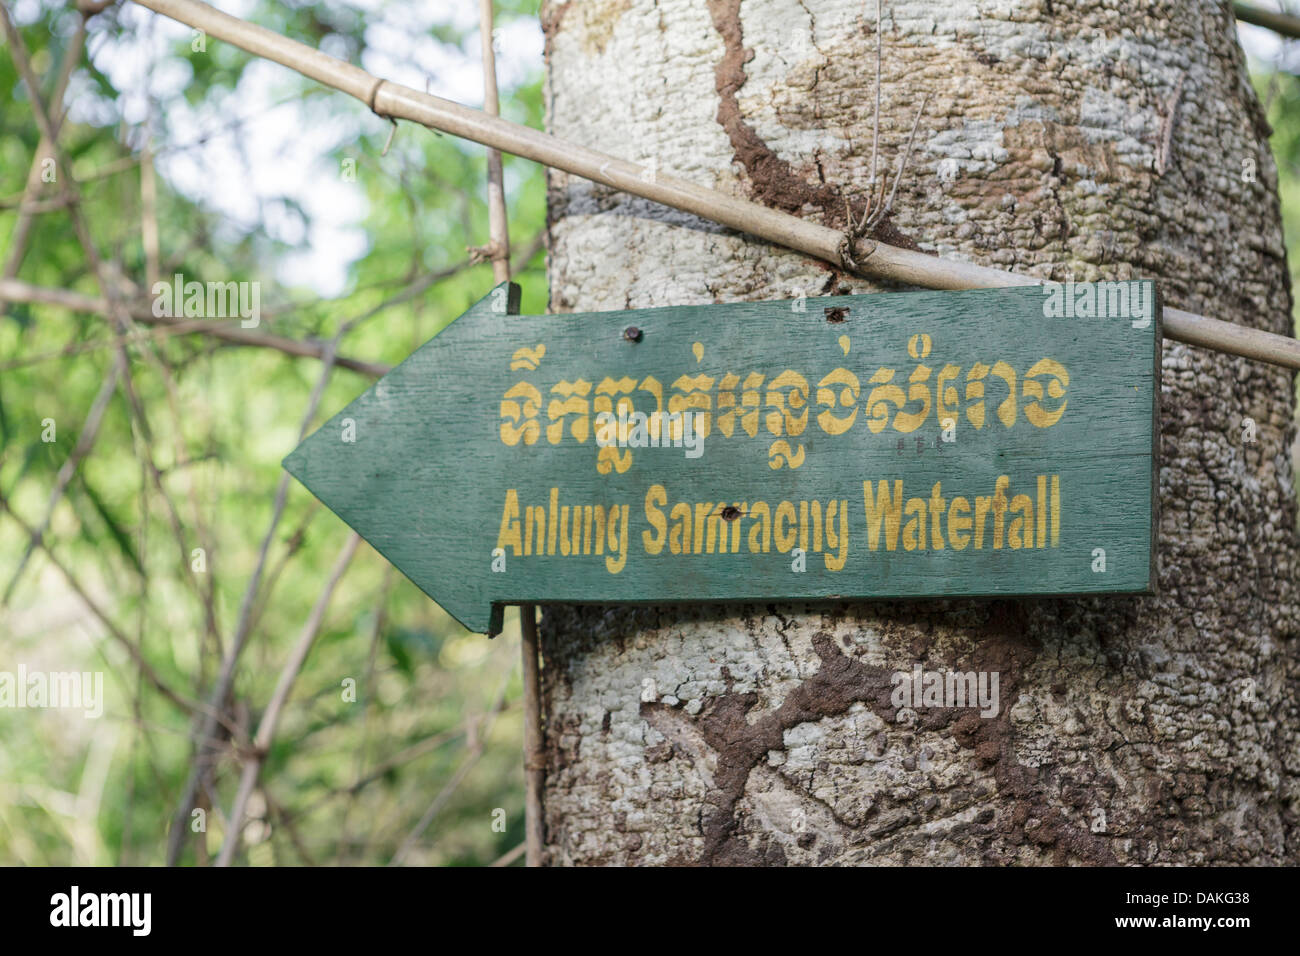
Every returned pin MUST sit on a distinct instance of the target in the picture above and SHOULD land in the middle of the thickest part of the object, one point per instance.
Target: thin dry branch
(271, 717)
(498, 228)
(149, 217)
(117, 309)
(378, 628)
(146, 669)
(85, 442)
(505, 859)
(474, 748)
(28, 208)
(13, 290)
(22, 62)
(907, 155)
(225, 679)
(406, 755)
(528, 646)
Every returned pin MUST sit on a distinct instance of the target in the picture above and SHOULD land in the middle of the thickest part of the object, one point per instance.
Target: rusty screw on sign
(632, 333)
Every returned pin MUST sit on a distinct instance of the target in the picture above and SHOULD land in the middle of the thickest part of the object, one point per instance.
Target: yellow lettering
(837, 538)
(534, 518)
(999, 509)
(679, 538)
(509, 533)
(936, 513)
(654, 543)
(982, 507)
(914, 530)
(784, 513)
(1056, 510)
(550, 524)
(1038, 416)
(958, 526)
(886, 507)
(760, 532)
(1021, 532)
(702, 511)
(618, 516)
(830, 423)
(1042, 510)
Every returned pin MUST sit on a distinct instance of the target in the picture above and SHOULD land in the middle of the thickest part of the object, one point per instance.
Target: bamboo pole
(865, 256)
(1282, 23)
(498, 225)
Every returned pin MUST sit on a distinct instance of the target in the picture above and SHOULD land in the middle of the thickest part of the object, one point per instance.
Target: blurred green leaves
(345, 779)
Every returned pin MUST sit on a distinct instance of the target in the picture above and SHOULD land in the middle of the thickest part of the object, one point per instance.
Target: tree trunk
(1149, 730)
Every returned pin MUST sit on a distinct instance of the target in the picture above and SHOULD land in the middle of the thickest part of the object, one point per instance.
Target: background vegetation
(419, 767)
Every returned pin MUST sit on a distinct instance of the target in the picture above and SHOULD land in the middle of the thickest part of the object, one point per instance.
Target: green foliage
(1280, 95)
(343, 781)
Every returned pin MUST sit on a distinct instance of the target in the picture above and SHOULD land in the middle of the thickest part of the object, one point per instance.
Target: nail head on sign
(632, 333)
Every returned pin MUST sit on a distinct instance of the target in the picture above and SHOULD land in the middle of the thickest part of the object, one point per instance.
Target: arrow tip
(349, 480)
(504, 299)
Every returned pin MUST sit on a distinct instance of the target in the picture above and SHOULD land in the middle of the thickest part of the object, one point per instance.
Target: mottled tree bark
(1149, 730)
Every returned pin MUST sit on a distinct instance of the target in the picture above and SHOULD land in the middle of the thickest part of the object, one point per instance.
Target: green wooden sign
(991, 442)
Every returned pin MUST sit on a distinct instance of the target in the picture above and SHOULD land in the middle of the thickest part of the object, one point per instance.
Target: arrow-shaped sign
(991, 442)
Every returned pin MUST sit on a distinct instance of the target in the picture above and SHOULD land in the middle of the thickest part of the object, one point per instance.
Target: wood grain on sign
(989, 442)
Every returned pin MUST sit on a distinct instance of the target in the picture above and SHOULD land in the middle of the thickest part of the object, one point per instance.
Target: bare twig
(505, 859)
(117, 309)
(377, 629)
(125, 163)
(277, 810)
(13, 290)
(18, 241)
(499, 252)
(149, 216)
(271, 717)
(497, 221)
(137, 695)
(905, 158)
(226, 676)
(85, 441)
(475, 751)
(35, 207)
(114, 631)
(21, 60)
